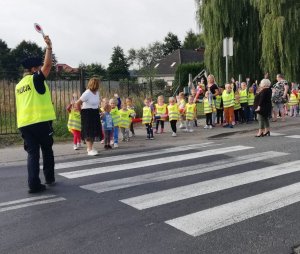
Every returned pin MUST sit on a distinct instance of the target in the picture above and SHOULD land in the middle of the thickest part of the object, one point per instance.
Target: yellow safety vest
(207, 106)
(190, 111)
(173, 112)
(124, 118)
(293, 100)
(32, 107)
(218, 101)
(115, 116)
(237, 104)
(131, 111)
(243, 96)
(251, 97)
(228, 99)
(74, 122)
(161, 110)
(147, 115)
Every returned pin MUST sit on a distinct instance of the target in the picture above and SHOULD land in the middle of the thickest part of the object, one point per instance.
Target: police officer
(35, 114)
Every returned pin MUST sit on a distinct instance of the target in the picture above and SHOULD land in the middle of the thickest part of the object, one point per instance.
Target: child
(219, 107)
(74, 122)
(148, 118)
(228, 105)
(190, 113)
(124, 121)
(173, 112)
(237, 108)
(181, 105)
(116, 118)
(195, 100)
(293, 102)
(243, 94)
(251, 97)
(208, 109)
(160, 112)
(107, 126)
(130, 107)
(104, 102)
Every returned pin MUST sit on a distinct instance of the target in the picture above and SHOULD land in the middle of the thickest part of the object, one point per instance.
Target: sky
(86, 31)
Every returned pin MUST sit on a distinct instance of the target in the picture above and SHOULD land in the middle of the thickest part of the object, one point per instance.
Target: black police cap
(30, 62)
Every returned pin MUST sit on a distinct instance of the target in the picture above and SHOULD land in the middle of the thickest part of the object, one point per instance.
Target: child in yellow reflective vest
(160, 112)
(148, 115)
(251, 98)
(74, 122)
(237, 108)
(190, 113)
(181, 104)
(116, 118)
(208, 110)
(173, 112)
(124, 121)
(131, 108)
(293, 102)
(243, 94)
(219, 107)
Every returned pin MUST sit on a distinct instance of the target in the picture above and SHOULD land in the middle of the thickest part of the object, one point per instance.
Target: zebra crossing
(203, 221)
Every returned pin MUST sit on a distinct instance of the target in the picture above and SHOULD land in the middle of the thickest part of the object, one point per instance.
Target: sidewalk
(17, 156)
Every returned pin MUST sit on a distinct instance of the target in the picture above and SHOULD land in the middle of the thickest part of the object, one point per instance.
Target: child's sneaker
(156, 131)
(181, 126)
(152, 138)
(102, 141)
(78, 145)
(127, 139)
(106, 147)
(191, 130)
(210, 127)
(174, 134)
(206, 127)
(162, 131)
(111, 142)
(116, 145)
(75, 147)
(109, 146)
(92, 152)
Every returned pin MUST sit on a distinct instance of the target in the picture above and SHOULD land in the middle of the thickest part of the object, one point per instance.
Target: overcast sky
(87, 30)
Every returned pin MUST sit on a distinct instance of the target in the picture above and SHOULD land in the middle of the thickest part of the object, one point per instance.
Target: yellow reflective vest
(147, 115)
(173, 112)
(190, 111)
(218, 101)
(161, 110)
(32, 107)
(74, 122)
(115, 116)
(208, 108)
(124, 118)
(228, 99)
(293, 100)
(243, 96)
(251, 97)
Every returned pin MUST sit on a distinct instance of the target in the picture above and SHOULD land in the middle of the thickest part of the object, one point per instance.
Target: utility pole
(227, 51)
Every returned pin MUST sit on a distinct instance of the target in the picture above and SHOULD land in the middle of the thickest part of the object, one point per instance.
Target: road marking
(276, 134)
(131, 156)
(26, 200)
(151, 162)
(208, 220)
(293, 136)
(41, 202)
(202, 188)
(178, 172)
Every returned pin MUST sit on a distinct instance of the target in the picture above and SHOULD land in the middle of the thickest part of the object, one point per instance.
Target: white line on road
(151, 162)
(202, 188)
(131, 156)
(179, 172)
(25, 200)
(205, 221)
(41, 202)
(293, 136)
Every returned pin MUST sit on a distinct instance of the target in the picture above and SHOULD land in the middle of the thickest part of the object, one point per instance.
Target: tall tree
(5, 59)
(280, 36)
(171, 43)
(118, 68)
(193, 41)
(237, 19)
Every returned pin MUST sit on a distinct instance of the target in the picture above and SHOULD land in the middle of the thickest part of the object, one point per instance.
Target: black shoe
(258, 136)
(109, 147)
(40, 188)
(267, 134)
(50, 183)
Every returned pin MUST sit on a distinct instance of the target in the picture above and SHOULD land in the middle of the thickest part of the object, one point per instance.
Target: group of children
(227, 108)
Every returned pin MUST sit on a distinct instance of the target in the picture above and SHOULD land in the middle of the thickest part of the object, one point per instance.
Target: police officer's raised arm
(46, 68)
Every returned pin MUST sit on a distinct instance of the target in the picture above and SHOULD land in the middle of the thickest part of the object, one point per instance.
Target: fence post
(128, 87)
(109, 85)
(82, 85)
(151, 88)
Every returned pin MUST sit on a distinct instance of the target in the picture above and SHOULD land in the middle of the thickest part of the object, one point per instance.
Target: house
(166, 67)
(65, 68)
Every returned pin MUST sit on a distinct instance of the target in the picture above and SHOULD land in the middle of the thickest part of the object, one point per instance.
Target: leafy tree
(171, 43)
(95, 69)
(193, 41)
(118, 68)
(4, 58)
(237, 19)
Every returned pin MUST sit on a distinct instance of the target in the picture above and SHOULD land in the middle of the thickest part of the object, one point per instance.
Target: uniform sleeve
(38, 81)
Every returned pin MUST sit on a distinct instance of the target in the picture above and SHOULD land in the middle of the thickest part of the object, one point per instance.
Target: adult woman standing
(90, 117)
(263, 107)
(213, 90)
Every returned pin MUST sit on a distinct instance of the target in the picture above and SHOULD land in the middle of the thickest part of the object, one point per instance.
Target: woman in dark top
(263, 107)
(213, 90)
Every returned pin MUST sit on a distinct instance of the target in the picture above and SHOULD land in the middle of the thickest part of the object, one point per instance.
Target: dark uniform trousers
(39, 136)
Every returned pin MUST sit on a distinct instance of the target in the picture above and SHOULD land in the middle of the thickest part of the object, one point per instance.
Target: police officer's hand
(48, 41)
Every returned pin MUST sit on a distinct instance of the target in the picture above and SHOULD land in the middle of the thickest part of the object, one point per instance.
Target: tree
(171, 43)
(280, 40)
(118, 68)
(95, 69)
(193, 41)
(237, 19)
(4, 59)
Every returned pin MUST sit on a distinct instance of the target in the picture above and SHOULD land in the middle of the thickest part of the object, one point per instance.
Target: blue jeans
(116, 135)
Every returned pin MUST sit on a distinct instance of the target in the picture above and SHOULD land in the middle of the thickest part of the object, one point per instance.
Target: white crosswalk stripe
(34, 201)
(209, 220)
(72, 164)
(152, 162)
(179, 172)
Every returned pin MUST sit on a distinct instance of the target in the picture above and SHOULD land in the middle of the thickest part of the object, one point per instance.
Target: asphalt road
(234, 195)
